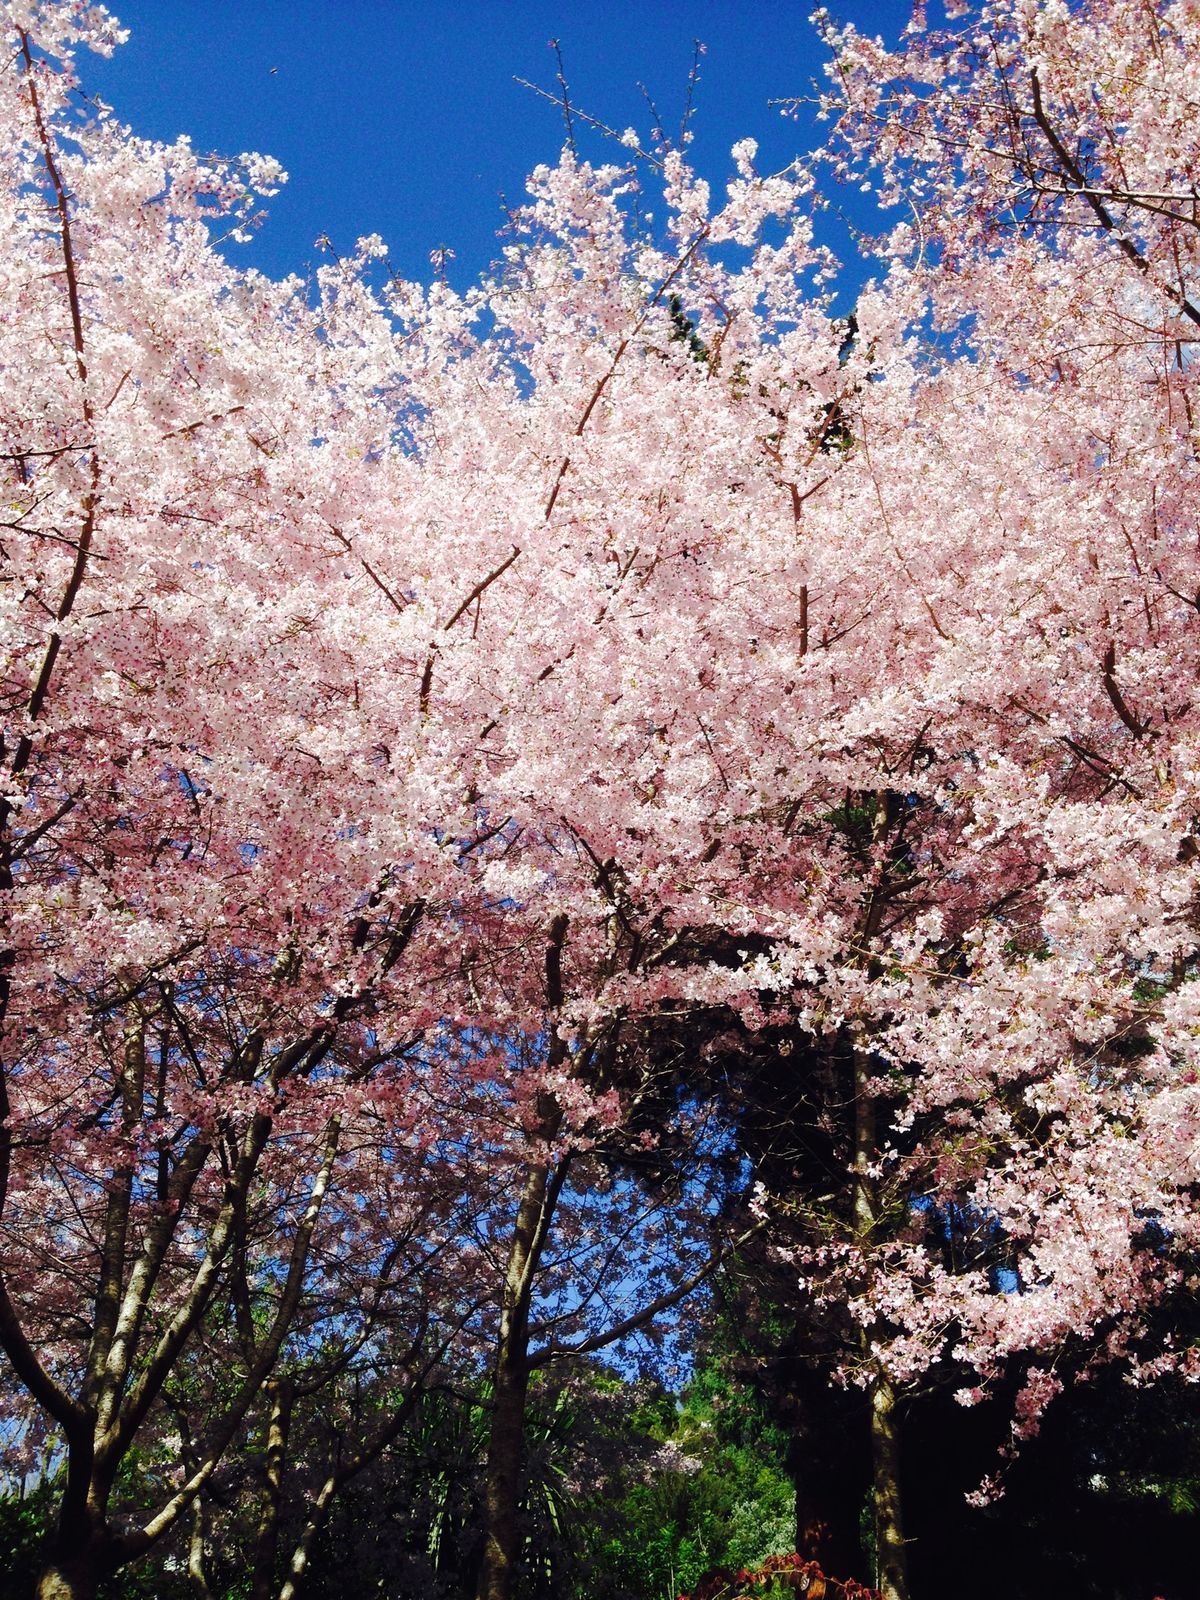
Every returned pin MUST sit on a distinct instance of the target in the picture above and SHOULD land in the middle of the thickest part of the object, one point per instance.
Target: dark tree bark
(891, 1555)
(502, 1490)
(510, 1379)
(78, 1564)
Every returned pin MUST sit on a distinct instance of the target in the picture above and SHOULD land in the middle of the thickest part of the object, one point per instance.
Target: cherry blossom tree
(320, 620)
(1022, 993)
(424, 711)
(203, 1003)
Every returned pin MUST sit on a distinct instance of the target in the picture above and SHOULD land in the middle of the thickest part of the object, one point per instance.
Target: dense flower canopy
(419, 707)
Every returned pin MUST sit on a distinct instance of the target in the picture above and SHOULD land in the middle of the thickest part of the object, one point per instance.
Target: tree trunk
(76, 1579)
(891, 1555)
(510, 1385)
(502, 1492)
(197, 1572)
(891, 1559)
(535, 1212)
(278, 1420)
(81, 1554)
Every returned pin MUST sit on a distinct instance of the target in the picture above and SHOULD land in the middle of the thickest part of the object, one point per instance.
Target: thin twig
(566, 102)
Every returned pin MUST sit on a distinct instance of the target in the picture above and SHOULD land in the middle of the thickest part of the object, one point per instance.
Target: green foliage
(683, 331)
(632, 1493)
(25, 1523)
(715, 1494)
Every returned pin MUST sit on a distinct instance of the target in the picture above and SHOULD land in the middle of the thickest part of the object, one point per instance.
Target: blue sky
(401, 118)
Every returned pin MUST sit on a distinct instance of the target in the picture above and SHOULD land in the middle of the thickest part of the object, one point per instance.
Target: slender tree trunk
(891, 1556)
(502, 1490)
(197, 1550)
(278, 1420)
(197, 1574)
(506, 1443)
(510, 1385)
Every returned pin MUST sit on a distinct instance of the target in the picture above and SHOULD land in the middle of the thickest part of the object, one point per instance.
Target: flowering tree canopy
(439, 728)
